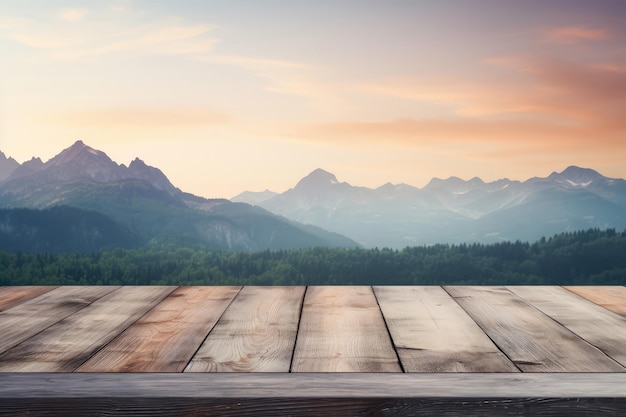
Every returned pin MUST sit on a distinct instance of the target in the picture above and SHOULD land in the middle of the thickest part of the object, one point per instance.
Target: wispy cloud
(549, 105)
(418, 132)
(73, 15)
(158, 39)
(290, 78)
(461, 97)
(45, 40)
(255, 64)
(174, 117)
(507, 140)
(575, 34)
(106, 33)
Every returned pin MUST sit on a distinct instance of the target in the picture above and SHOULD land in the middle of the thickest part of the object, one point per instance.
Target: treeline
(591, 257)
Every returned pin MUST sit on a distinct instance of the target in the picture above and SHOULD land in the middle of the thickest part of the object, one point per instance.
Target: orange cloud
(512, 143)
(422, 132)
(545, 90)
(574, 34)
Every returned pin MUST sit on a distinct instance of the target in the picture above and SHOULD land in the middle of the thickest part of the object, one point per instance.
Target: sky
(232, 95)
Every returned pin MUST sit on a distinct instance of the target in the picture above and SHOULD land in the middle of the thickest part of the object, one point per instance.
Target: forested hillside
(587, 257)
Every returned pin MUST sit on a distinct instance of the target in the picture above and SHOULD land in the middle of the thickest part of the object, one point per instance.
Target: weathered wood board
(165, 339)
(65, 345)
(12, 296)
(314, 329)
(432, 333)
(31, 317)
(257, 333)
(531, 339)
(611, 297)
(314, 394)
(598, 326)
(342, 330)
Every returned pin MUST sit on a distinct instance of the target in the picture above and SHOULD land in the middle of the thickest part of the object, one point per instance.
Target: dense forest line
(591, 257)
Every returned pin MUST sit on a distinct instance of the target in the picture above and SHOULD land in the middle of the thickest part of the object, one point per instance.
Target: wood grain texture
(432, 333)
(597, 325)
(12, 296)
(31, 317)
(318, 407)
(611, 297)
(311, 385)
(257, 333)
(165, 339)
(65, 345)
(342, 330)
(533, 341)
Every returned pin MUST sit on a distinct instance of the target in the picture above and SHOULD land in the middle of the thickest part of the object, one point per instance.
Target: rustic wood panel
(342, 330)
(597, 325)
(12, 296)
(311, 385)
(65, 345)
(284, 394)
(533, 341)
(432, 333)
(318, 407)
(611, 297)
(31, 317)
(257, 333)
(165, 339)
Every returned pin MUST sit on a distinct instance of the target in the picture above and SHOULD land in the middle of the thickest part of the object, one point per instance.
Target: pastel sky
(227, 96)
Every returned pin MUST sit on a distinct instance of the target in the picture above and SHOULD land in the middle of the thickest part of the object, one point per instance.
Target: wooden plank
(342, 330)
(165, 339)
(312, 385)
(271, 394)
(31, 317)
(12, 296)
(432, 333)
(611, 297)
(65, 345)
(257, 333)
(598, 326)
(318, 407)
(532, 340)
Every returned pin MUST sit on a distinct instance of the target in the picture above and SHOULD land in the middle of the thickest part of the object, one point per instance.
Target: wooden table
(383, 350)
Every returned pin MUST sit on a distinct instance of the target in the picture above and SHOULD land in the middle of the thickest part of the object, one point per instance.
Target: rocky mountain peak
(138, 169)
(27, 168)
(317, 178)
(76, 152)
(576, 176)
(7, 166)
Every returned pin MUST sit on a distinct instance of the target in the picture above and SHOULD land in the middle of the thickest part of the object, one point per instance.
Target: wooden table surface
(319, 351)
(313, 329)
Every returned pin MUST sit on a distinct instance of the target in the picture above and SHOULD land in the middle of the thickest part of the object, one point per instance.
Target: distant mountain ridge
(454, 210)
(141, 199)
(7, 166)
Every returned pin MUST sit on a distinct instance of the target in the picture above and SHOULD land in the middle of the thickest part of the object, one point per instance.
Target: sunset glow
(230, 96)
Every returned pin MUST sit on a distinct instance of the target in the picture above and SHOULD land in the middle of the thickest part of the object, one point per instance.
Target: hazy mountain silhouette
(141, 198)
(454, 210)
(7, 166)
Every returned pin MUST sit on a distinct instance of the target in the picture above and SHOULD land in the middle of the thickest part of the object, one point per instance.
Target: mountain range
(114, 205)
(452, 210)
(81, 200)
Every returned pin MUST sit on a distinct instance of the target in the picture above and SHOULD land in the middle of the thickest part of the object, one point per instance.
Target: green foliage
(578, 258)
